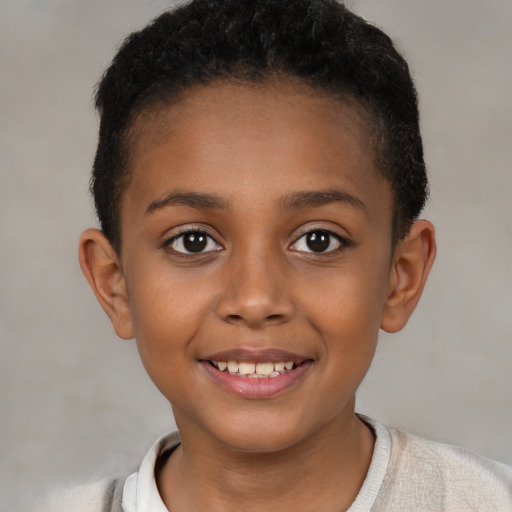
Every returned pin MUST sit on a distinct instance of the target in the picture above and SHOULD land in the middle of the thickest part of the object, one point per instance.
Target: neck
(328, 467)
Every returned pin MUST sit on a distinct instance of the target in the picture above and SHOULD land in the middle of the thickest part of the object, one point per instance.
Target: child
(258, 179)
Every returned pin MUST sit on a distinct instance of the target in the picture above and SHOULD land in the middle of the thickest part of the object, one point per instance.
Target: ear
(101, 266)
(412, 261)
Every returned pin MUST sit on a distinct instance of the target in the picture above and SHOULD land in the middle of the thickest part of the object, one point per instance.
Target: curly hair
(319, 42)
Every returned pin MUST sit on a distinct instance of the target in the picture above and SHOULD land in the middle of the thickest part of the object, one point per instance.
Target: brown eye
(193, 242)
(319, 241)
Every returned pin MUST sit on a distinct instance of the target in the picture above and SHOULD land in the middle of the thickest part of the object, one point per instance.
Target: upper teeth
(267, 369)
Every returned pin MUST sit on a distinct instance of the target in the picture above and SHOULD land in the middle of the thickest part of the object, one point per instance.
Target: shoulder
(81, 498)
(106, 494)
(444, 477)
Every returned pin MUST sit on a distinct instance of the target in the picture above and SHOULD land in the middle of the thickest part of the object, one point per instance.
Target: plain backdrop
(75, 401)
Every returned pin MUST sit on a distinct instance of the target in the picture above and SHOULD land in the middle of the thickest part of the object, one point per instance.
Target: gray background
(75, 401)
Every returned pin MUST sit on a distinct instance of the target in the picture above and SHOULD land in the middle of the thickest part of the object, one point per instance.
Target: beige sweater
(407, 474)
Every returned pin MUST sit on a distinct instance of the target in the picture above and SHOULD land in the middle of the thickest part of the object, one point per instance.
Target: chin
(260, 446)
(262, 437)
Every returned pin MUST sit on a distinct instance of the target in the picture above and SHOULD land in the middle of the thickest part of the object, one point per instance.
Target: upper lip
(261, 355)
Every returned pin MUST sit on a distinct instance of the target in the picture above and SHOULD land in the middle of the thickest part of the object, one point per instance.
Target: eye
(319, 241)
(193, 242)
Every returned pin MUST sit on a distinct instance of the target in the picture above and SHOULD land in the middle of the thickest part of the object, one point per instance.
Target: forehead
(229, 138)
(275, 104)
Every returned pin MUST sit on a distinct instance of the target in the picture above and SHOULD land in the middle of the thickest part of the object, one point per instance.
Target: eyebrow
(317, 198)
(294, 201)
(193, 199)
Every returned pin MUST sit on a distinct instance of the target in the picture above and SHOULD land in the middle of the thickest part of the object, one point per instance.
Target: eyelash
(180, 238)
(343, 243)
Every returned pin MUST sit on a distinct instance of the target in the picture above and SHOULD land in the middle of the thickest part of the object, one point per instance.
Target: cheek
(345, 306)
(346, 299)
(166, 312)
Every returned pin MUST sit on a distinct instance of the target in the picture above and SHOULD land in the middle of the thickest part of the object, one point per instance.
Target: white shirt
(140, 493)
(406, 474)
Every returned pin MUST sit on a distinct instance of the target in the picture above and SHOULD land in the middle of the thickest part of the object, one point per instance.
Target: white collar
(369, 491)
(140, 493)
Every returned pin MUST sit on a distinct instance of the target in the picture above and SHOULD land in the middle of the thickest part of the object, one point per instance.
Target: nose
(256, 292)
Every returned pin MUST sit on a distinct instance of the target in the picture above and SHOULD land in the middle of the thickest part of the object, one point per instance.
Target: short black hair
(319, 42)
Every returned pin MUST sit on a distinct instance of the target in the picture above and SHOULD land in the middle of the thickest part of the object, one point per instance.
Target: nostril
(234, 318)
(268, 319)
(254, 310)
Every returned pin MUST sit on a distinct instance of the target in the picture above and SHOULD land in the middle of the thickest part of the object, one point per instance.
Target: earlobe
(412, 262)
(102, 269)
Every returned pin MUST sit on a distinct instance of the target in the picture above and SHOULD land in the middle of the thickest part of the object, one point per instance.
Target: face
(256, 252)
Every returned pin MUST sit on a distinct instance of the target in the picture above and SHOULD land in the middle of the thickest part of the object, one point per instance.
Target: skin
(257, 286)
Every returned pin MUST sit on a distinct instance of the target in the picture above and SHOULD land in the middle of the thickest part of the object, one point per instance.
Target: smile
(263, 370)
(256, 374)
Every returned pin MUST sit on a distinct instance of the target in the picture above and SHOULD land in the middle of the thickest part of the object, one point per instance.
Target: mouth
(256, 374)
(264, 370)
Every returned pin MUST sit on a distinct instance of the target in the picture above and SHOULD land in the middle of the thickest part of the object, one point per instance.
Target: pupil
(195, 242)
(318, 241)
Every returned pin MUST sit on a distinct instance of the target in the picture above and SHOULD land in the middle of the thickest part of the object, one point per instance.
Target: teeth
(232, 366)
(246, 368)
(254, 370)
(264, 368)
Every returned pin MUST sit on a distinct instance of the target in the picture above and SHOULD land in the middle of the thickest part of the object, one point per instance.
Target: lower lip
(265, 387)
